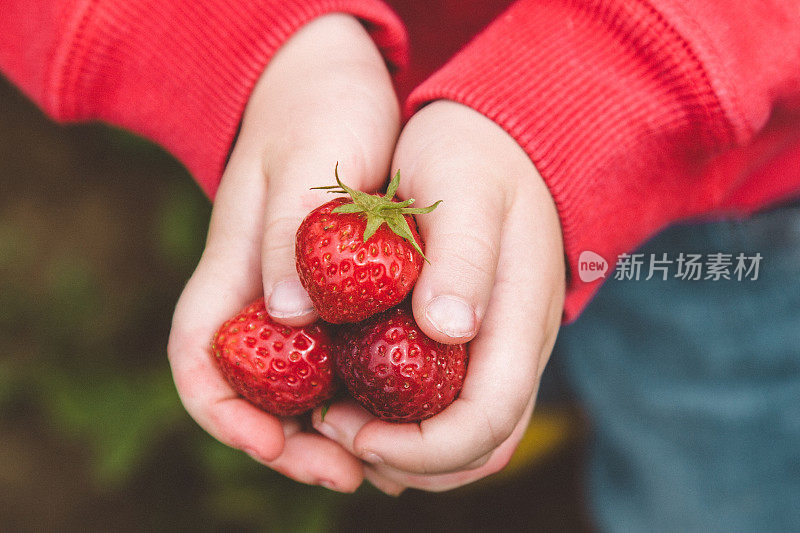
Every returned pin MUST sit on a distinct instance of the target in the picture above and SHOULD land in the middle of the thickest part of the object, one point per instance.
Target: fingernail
(388, 488)
(328, 430)
(328, 484)
(288, 300)
(373, 458)
(253, 455)
(451, 316)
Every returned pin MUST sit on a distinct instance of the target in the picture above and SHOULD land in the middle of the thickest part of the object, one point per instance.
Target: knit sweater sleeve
(622, 105)
(178, 72)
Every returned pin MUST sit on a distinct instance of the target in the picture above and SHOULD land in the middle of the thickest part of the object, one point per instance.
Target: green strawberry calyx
(380, 209)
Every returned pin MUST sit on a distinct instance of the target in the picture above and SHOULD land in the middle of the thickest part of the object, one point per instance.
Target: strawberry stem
(380, 209)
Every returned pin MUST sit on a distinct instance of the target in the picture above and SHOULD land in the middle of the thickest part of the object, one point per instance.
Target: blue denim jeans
(693, 387)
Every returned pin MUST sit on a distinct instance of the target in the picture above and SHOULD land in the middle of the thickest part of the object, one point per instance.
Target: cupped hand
(496, 278)
(325, 97)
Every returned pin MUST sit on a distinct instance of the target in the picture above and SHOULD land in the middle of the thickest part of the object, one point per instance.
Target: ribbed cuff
(611, 105)
(180, 72)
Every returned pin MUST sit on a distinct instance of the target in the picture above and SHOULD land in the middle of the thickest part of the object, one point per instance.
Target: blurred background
(99, 230)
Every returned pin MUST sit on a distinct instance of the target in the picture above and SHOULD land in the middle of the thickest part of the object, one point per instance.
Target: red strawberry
(397, 372)
(285, 371)
(359, 255)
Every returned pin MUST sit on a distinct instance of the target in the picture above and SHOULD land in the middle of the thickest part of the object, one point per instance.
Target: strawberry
(397, 372)
(283, 370)
(359, 255)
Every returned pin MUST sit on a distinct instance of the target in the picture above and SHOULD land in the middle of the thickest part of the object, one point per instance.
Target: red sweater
(637, 113)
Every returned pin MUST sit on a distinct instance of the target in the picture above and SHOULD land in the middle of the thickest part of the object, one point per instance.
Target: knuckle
(279, 232)
(499, 461)
(305, 158)
(279, 247)
(467, 253)
(172, 344)
(434, 457)
(478, 463)
(176, 345)
(214, 415)
(429, 466)
(500, 429)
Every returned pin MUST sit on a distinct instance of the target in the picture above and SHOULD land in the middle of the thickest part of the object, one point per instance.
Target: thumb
(462, 237)
(452, 153)
(288, 202)
(325, 97)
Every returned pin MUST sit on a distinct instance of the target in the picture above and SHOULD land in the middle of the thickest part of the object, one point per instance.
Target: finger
(462, 235)
(315, 460)
(289, 201)
(310, 164)
(342, 422)
(391, 480)
(452, 293)
(504, 364)
(341, 109)
(383, 483)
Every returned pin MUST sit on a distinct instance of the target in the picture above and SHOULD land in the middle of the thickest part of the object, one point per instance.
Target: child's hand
(325, 97)
(496, 274)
